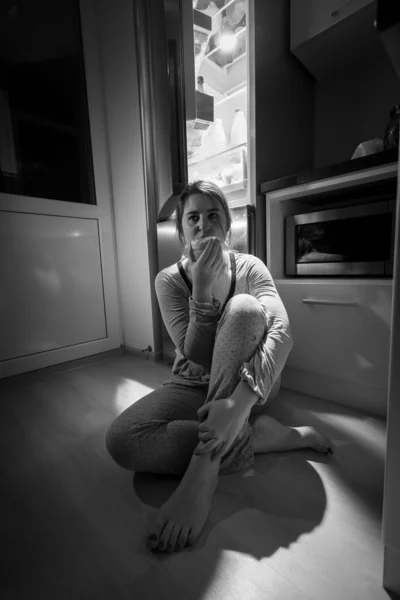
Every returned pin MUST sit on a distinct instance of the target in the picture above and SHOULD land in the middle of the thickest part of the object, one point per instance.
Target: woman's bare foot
(182, 518)
(314, 439)
(271, 436)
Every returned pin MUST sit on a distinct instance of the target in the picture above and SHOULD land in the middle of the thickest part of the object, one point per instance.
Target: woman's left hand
(221, 422)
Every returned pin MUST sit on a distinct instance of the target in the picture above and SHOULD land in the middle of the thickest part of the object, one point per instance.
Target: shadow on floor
(259, 510)
(359, 439)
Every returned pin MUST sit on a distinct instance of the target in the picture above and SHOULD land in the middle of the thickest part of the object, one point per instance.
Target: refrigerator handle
(177, 119)
(182, 97)
(187, 36)
(177, 132)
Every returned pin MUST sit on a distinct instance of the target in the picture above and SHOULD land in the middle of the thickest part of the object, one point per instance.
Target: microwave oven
(353, 241)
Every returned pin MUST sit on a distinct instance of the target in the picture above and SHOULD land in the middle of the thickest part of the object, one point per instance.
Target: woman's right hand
(206, 270)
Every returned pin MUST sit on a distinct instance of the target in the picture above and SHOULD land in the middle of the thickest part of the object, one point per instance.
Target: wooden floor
(298, 525)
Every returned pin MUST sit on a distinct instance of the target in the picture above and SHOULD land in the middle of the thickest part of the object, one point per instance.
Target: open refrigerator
(215, 134)
(212, 131)
(216, 113)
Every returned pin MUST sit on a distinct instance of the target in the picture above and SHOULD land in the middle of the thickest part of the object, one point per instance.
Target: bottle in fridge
(239, 128)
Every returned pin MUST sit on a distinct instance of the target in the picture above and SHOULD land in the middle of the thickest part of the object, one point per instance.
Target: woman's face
(203, 216)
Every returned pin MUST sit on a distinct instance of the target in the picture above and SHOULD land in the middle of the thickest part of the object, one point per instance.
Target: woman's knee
(120, 443)
(246, 309)
(112, 441)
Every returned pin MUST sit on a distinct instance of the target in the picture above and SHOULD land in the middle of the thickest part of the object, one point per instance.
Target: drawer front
(340, 330)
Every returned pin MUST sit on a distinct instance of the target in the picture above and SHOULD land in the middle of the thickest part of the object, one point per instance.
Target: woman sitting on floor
(232, 338)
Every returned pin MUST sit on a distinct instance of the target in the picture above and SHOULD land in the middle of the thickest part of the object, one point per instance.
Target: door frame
(102, 212)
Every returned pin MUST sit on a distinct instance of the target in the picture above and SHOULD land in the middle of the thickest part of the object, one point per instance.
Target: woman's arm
(191, 324)
(266, 365)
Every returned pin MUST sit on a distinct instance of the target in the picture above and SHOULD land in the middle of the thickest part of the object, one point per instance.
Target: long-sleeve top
(192, 325)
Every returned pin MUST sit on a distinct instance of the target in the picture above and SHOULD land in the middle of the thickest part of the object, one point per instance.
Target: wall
(120, 77)
(281, 108)
(353, 108)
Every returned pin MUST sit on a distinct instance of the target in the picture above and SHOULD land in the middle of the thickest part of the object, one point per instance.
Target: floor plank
(298, 525)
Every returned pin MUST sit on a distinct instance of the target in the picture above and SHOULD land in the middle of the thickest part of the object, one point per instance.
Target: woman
(232, 339)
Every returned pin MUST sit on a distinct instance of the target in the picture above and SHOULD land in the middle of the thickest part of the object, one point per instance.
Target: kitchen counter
(357, 164)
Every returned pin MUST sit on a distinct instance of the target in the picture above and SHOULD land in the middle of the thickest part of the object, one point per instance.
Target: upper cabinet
(311, 17)
(330, 35)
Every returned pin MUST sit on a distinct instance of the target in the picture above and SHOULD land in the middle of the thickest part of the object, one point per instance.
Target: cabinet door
(340, 330)
(308, 18)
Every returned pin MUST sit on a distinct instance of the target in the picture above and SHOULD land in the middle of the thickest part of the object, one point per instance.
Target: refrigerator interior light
(227, 41)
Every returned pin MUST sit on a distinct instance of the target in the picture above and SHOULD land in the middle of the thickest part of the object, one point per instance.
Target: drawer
(340, 330)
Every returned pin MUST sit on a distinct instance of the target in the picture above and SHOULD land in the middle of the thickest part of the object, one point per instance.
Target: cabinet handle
(330, 302)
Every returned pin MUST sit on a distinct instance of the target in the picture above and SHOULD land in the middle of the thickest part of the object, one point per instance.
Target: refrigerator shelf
(227, 169)
(224, 154)
(234, 187)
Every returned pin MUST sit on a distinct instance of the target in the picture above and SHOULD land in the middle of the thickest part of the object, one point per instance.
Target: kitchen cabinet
(340, 326)
(309, 18)
(341, 332)
(329, 36)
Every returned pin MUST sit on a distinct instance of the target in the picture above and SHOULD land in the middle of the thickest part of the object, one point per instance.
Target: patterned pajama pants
(159, 432)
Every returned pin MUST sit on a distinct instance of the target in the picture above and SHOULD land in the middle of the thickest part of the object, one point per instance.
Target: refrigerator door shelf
(227, 169)
(234, 187)
(222, 158)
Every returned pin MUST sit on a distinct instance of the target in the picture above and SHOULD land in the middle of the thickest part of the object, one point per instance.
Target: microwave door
(348, 241)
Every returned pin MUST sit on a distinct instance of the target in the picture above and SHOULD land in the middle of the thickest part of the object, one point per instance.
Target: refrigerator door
(243, 228)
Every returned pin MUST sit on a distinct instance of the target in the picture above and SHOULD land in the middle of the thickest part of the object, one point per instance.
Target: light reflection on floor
(129, 392)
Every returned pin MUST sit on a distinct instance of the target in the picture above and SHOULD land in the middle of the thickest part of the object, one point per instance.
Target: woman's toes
(164, 536)
(192, 538)
(183, 538)
(326, 449)
(156, 531)
(152, 541)
(315, 440)
(173, 538)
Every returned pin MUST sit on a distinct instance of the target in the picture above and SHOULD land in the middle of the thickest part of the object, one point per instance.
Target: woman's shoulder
(248, 261)
(169, 278)
(168, 274)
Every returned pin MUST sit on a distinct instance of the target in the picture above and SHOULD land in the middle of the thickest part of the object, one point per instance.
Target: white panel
(119, 67)
(51, 281)
(340, 340)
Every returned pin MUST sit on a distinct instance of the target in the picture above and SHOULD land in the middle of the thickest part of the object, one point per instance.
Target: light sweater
(192, 326)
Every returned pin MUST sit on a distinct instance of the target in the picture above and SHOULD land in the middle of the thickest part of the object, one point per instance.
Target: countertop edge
(358, 164)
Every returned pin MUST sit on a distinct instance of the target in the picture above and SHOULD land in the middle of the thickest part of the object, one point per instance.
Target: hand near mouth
(198, 245)
(207, 262)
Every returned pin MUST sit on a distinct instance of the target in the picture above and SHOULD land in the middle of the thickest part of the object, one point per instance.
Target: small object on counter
(200, 84)
(239, 128)
(368, 147)
(391, 136)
